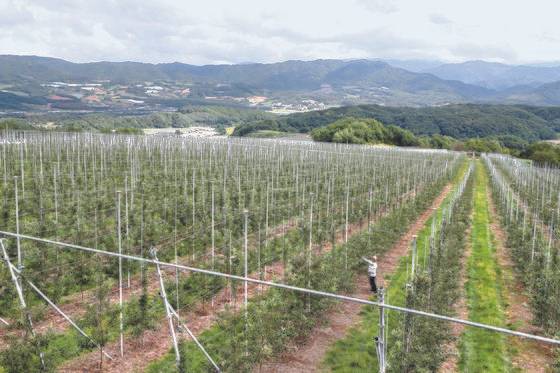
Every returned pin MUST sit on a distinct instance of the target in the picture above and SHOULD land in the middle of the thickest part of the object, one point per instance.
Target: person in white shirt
(372, 272)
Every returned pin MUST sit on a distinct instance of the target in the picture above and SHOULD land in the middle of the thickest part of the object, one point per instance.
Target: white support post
(346, 227)
(379, 352)
(18, 240)
(167, 306)
(55, 307)
(127, 232)
(177, 257)
(193, 213)
(119, 239)
(310, 249)
(380, 340)
(370, 195)
(55, 197)
(414, 254)
(246, 274)
(4, 322)
(15, 277)
(185, 328)
(534, 238)
(213, 240)
(15, 273)
(22, 170)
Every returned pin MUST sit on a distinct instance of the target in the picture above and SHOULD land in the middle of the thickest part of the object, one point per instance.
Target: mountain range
(335, 82)
(496, 76)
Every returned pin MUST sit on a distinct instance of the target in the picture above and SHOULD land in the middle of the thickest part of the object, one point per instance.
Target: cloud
(440, 19)
(13, 15)
(379, 6)
(471, 51)
(251, 30)
(549, 38)
(266, 30)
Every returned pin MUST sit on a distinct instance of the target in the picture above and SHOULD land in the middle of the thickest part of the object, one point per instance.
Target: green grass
(356, 351)
(483, 351)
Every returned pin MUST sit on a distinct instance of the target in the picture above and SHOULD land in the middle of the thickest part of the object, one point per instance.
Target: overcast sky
(234, 31)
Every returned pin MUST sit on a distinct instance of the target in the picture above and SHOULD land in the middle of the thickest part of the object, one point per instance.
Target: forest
(191, 115)
(460, 121)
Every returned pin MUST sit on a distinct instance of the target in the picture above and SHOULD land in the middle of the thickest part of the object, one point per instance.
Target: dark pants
(373, 284)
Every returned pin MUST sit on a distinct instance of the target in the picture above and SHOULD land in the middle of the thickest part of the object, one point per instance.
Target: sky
(239, 31)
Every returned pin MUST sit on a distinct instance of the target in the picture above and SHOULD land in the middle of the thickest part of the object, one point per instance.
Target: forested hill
(332, 82)
(460, 121)
(283, 76)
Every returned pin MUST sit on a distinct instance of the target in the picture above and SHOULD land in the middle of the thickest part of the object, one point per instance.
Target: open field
(161, 209)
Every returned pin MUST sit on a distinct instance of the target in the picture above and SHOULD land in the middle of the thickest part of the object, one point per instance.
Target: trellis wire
(292, 288)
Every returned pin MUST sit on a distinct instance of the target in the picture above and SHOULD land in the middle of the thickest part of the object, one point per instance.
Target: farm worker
(372, 272)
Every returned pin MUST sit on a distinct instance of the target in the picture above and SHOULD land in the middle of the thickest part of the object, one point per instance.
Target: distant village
(105, 94)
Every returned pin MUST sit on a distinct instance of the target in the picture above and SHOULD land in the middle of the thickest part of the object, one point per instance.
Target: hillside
(336, 82)
(458, 121)
(286, 87)
(218, 117)
(10, 101)
(289, 75)
(46, 69)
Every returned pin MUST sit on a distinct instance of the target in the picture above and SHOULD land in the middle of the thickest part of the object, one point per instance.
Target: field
(167, 253)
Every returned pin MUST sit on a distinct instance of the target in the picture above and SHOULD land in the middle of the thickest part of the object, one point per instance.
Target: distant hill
(289, 75)
(458, 121)
(333, 82)
(547, 94)
(375, 80)
(10, 101)
(382, 74)
(46, 69)
(415, 65)
(496, 76)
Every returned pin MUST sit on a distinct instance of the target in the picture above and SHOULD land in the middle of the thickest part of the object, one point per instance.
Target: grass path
(484, 351)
